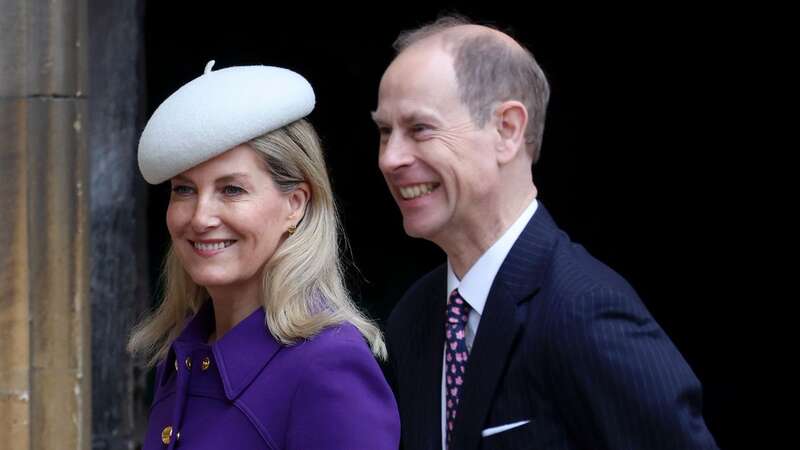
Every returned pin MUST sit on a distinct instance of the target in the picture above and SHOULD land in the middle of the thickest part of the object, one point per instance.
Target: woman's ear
(298, 199)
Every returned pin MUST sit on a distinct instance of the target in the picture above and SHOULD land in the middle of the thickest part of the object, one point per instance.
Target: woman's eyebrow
(233, 177)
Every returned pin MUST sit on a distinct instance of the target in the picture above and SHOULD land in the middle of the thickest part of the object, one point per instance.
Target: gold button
(206, 363)
(166, 435)
(189, 362)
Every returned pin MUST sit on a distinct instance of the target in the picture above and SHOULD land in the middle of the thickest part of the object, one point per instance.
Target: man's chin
(419, 230)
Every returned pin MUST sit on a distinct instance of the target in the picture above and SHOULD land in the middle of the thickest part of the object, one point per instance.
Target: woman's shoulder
(337, 352)
(342, 340)
(317, 378)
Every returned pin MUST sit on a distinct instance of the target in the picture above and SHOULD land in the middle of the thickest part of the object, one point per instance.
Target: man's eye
(418, 128)
(383, 134)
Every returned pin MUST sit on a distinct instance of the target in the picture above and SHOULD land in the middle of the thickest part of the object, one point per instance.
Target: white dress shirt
(475, 286)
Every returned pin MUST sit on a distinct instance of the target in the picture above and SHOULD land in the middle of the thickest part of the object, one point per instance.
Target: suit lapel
(504, 316)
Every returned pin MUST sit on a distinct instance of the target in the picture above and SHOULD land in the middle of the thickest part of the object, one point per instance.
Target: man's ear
(511, 120)
(298, 199)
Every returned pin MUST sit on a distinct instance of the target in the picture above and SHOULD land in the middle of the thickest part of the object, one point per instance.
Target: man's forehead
(417, 84)
(418, 62)
(405, 112)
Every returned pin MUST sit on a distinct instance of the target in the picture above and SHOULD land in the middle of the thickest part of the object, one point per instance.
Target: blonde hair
(302, 284)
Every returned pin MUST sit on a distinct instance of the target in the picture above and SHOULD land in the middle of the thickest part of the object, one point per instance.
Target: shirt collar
(477, 282)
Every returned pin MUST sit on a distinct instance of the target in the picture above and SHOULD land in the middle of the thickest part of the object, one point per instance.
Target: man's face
(439, 165)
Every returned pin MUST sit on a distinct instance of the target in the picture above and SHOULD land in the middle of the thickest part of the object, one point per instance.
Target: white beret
(218, 111)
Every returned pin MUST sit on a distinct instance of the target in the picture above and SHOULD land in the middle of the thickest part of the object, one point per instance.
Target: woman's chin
(212, 281)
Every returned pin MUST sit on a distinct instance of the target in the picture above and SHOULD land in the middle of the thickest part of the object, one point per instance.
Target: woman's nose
(205, 215)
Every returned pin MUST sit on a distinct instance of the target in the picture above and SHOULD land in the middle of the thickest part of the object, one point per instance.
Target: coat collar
(240, 355)
(419, 364)
(429, 417)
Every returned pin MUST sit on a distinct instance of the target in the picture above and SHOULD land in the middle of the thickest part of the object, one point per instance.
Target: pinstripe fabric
(563, 342)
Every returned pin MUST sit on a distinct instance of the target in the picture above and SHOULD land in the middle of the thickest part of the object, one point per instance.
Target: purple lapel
(240, 355)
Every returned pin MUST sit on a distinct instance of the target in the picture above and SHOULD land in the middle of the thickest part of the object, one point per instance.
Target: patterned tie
(455, 355)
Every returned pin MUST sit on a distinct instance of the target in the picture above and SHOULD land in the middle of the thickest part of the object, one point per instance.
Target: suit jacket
(564, 342)
(247, 391)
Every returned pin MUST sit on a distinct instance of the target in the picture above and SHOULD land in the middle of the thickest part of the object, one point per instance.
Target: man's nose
(395, 153)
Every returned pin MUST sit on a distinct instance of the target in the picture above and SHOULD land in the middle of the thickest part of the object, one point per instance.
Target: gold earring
(292, 229)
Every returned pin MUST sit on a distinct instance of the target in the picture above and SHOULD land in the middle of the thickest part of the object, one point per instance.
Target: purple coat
(247, 391)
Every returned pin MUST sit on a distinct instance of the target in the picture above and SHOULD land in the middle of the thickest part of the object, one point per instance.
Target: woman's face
(227, 217)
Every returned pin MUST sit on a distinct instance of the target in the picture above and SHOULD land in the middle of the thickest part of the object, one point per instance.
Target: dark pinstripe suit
(563, 342)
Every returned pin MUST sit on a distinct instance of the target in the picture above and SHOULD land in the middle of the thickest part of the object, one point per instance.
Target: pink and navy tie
(455, 355)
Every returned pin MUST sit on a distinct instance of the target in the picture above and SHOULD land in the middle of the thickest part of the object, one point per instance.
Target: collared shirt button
(206, 363)
(189, 362)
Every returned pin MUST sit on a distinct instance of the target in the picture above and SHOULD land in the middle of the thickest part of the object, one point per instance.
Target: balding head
(450, 30)
(490, 67)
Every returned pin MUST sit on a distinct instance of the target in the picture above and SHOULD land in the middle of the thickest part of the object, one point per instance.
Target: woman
(257, 344)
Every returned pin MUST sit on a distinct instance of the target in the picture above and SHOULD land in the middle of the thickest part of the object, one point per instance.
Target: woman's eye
(181, 190)
(232, 190)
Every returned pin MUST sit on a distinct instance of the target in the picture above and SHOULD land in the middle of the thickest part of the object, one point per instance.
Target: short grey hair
(488, 71)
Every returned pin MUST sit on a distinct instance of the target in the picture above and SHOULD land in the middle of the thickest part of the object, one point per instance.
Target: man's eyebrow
(416, 117)
(406, 119)
(376, 117)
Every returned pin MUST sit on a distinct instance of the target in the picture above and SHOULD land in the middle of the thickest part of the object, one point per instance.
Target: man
(522, 340)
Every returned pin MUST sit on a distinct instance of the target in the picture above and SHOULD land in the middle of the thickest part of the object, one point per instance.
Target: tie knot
(457, 308)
